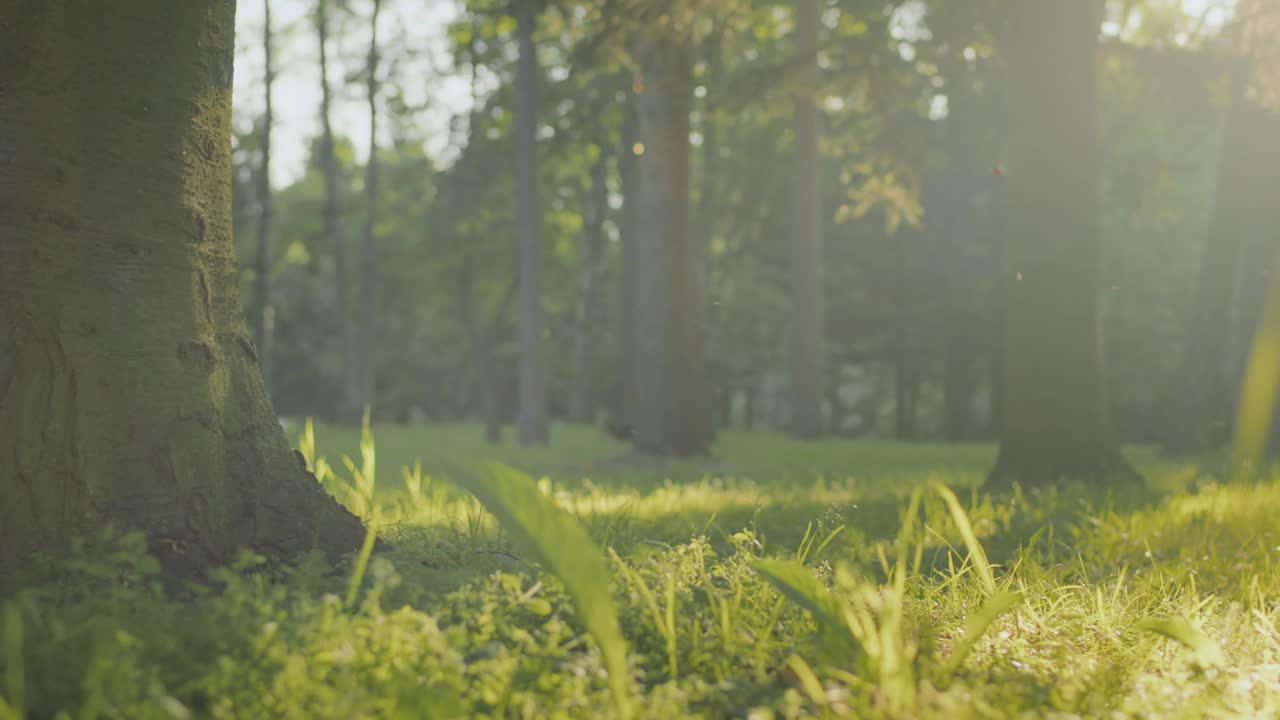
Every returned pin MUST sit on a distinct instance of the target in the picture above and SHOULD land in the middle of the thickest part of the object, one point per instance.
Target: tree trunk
(532, 415)
(808, 349)
(628, 165)
(1200, 403)
(485, 345)
(667, 418)
(367, 308)
(705, 234)
(262, 316)
(349, 402)
(1054, 412)
(582, 400)
(130, 392)
(905, 386)
(957, 387)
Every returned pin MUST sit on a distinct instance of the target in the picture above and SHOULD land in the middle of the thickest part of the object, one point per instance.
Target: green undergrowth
(774, 580)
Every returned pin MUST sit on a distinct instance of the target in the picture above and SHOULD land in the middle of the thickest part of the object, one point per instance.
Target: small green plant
(868, 622)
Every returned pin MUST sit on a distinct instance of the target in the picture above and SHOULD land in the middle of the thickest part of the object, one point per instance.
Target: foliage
(1139, 605)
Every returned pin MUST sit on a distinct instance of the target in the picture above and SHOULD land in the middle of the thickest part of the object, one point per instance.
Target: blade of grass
(561, 544)
(976, 554)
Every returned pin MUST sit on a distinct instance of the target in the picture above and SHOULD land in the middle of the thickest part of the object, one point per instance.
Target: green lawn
(1137, 602)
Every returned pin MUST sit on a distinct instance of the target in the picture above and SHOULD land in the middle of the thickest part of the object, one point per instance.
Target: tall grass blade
(564, 548)
(976, 554)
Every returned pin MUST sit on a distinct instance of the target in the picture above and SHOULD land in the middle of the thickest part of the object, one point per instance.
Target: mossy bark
(130, 392)
(1054, 412)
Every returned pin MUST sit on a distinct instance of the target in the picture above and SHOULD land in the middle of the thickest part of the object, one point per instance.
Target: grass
(775, 580)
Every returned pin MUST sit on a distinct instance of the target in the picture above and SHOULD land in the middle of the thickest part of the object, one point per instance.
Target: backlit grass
(774, 579)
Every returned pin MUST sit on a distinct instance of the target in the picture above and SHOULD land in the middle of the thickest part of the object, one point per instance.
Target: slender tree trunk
(705, 234)
(1055, 421)
(1200, 404)
(263, 315)
(668, 353)
(905, 386)
(130, 392)
(532, 415)
(582, 402)
(367, 309)
(628, 165)
(348, 403)
(466, 372)
(808, 345)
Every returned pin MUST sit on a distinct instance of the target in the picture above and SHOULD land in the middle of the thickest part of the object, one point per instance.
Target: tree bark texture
(130, 392)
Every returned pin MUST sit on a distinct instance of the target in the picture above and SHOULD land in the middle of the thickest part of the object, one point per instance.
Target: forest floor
(775, 579)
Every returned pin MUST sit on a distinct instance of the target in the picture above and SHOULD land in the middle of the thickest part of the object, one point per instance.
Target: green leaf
(558, 542)
(1180, 630)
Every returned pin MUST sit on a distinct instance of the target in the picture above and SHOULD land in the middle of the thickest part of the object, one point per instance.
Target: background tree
(532, 417)
(367, 307)
(263, 313)
(808, 347)
(1054, 421)
(348, 407)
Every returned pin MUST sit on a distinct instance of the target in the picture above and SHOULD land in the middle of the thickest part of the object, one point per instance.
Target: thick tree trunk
(1200, 403)
(348, 406)
(367, 306)
(667, 418)
(532, 415)
(808, 345)
(263, 316)
(582, 408)
(1054, 411)
(130, 392)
